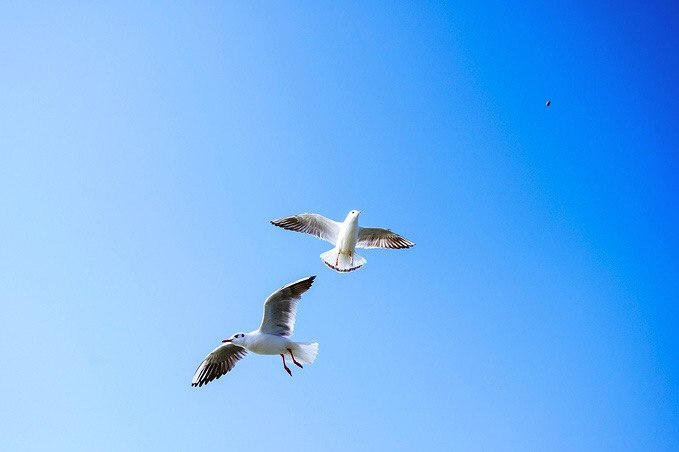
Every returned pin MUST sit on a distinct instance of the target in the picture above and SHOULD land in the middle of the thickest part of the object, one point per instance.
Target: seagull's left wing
(311, 223)
(217, 363)
(280, 308)
(381, 238)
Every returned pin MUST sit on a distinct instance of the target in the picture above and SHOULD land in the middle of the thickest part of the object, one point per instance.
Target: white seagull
(271, 338)
(346, 236)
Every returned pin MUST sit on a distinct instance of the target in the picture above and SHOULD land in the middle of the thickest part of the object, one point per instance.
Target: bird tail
(305, 352)
(342, 262)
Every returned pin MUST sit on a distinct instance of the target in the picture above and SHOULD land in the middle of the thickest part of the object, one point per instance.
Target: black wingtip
(310, 279)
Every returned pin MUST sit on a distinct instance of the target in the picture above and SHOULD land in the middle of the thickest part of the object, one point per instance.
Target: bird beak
(226, 340)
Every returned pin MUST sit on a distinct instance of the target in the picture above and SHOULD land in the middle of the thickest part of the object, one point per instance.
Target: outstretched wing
(221, 360)
(381, 238)
(311, 223)
(281, 307)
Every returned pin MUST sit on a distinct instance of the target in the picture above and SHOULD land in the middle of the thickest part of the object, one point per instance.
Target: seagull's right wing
(217, 363)
(311, 223)
(381, 238)
(280, 308)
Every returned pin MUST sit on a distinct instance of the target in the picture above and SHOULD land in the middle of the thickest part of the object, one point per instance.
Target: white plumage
(345, 236)
(271, 338)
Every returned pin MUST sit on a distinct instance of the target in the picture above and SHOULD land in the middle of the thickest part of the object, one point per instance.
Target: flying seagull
(346, 236)
(271, 338)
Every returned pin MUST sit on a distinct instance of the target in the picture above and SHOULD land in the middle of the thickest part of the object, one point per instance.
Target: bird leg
(287, 369)
(351, 258)
(337, 260)
(294, 360)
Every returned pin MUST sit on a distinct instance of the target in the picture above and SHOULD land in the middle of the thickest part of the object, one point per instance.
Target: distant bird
(346, 236)
(548, 103)
(271, 338)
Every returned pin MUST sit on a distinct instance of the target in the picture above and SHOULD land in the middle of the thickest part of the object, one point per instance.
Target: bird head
(353, 213)
(237, 339)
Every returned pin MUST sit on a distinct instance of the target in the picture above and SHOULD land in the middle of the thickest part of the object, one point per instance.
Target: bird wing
(311, 223)
(381, 238)
(221, 360)
(281, 307)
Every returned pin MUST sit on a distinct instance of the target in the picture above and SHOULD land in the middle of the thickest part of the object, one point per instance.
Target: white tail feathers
(305, 352)
(342, 262)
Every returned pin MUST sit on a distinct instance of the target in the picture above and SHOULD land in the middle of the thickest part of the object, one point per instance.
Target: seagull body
(345, 236)
(271, 338)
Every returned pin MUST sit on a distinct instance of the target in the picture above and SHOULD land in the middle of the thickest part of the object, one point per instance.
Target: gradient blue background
(144, 147)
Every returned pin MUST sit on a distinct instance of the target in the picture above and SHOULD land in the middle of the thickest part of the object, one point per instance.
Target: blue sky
(145, 147)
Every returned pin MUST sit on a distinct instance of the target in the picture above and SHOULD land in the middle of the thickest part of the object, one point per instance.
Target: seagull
(346, 236)
(271, 338)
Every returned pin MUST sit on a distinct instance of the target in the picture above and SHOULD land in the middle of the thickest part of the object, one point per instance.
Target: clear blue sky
(144, 147)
